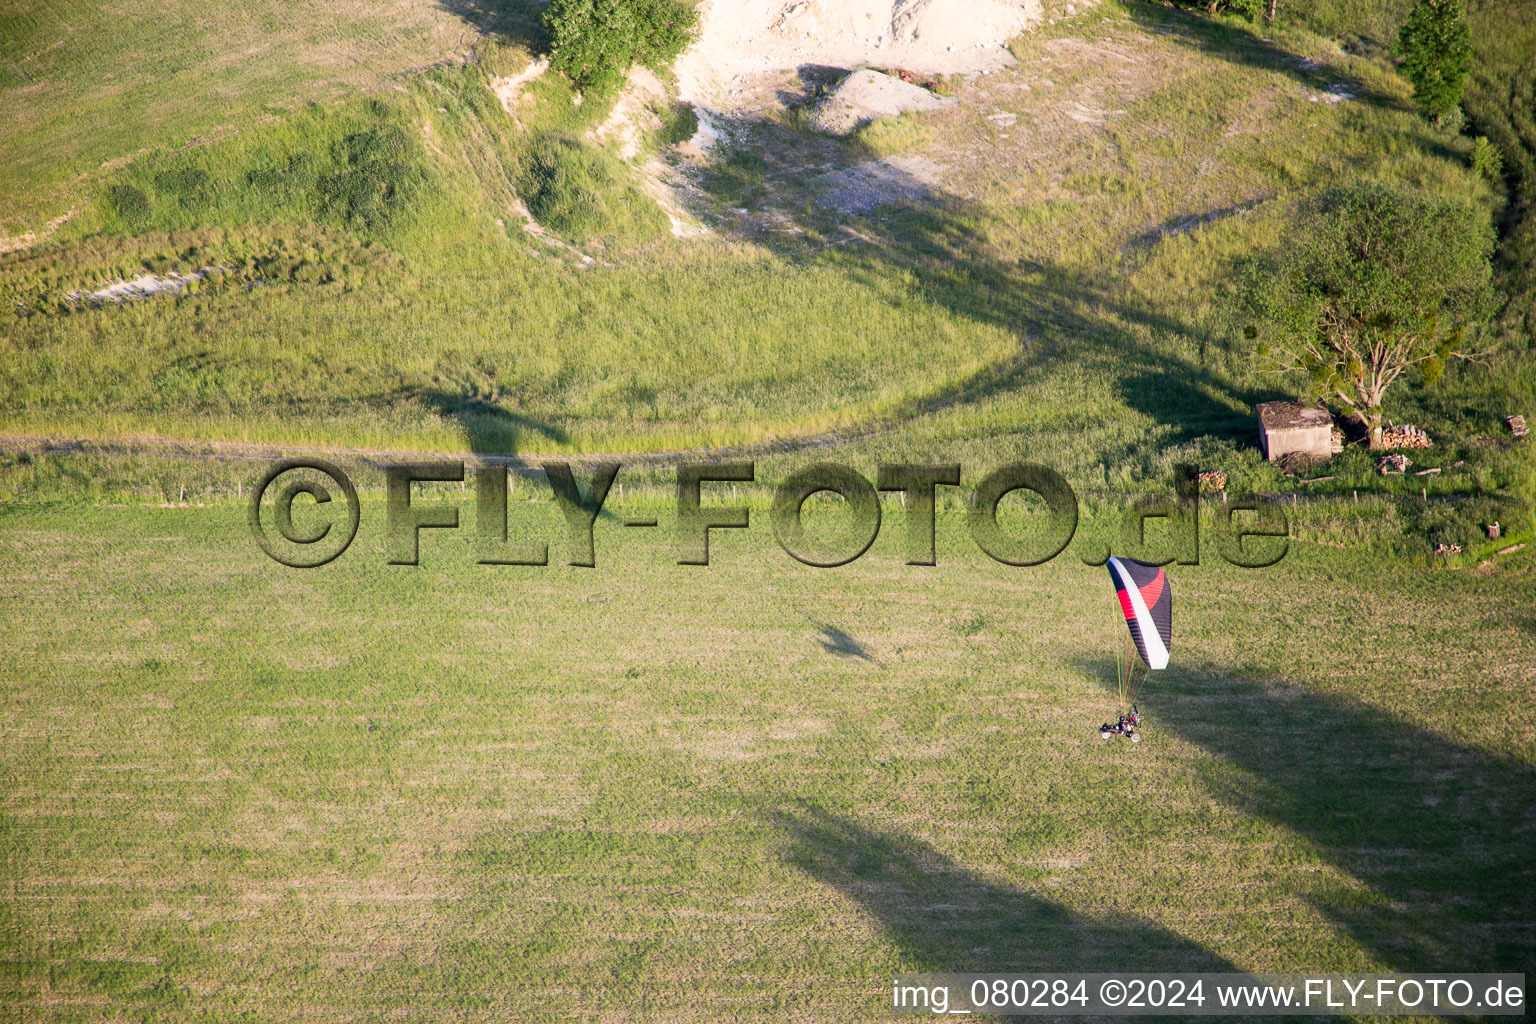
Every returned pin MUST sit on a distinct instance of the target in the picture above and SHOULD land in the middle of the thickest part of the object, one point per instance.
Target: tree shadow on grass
(1194, 402)
(1239, 46)
(874, 221)
(1439, 835)
(514, 21)
(1168, 369)
(1233, 44)
(1184, 223)
(493, 433)
(944, 917)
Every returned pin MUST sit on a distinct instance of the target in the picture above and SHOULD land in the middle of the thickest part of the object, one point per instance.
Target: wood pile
(1395, 465)
(1405, 436)
(1213, 480)
(1517, 425)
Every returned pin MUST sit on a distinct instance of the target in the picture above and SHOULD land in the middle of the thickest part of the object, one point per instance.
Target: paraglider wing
(1148, 605)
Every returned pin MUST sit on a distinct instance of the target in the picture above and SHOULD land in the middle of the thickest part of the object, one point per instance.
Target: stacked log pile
(1405, 436)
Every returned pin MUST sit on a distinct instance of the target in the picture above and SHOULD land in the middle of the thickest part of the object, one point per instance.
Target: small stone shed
(1286, 428)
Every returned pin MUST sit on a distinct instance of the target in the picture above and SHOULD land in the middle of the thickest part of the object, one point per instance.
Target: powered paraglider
(1147, 603)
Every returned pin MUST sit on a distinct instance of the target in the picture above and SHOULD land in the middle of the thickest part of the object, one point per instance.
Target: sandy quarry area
(740, 39)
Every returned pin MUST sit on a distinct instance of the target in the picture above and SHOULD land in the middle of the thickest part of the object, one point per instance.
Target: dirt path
(153, 446)
(509, 90)
(241, 451)
(27, 239)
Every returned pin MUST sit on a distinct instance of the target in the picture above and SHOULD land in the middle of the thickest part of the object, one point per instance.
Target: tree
(595, 42)
(1436, 45)
(1250, 9)
(1373, 282)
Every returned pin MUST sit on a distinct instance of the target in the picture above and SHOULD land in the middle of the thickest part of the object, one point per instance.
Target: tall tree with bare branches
(1371, 283)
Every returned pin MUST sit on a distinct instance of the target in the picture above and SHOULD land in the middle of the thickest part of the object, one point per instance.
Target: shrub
(375, 179)
(1486, 159)
(286, 183)
(595, 42)
(678, 123)
(1374, 282)
(565, 183)
(127, 203)
(580, 191)
(1250, 9)
(384, 145)
(1436, 45)
(189, 185)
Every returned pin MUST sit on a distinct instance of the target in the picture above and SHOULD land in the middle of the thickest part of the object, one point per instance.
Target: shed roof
(1292, 416)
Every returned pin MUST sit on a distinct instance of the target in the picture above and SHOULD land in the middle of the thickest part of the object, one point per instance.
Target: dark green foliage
(375, 147)
(578, 190)
(1373, 282)
(359, 166)
(1464, 524)
(1250, 9)
(188, 185)
(595, 42)
(563, 183)
(374, 180)
(1501, 102)
(282, 185)
(1486, 159)
(1436, 45)
(678, 123)
(127, 203)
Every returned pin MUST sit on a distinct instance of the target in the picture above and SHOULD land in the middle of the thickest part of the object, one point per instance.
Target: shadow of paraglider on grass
(1438, 833)
(836, 641)
(489, 427)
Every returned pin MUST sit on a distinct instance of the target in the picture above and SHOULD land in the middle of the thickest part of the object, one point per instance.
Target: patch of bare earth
(633, 117)
(1048, 127)
(27, 239)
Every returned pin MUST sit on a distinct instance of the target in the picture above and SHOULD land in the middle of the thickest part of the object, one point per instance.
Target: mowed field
(744, 791)
(234, 790)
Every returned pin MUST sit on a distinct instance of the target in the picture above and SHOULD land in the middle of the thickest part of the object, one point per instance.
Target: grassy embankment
(377, 289)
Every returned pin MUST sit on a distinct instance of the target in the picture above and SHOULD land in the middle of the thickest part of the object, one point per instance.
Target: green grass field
(751, 790)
